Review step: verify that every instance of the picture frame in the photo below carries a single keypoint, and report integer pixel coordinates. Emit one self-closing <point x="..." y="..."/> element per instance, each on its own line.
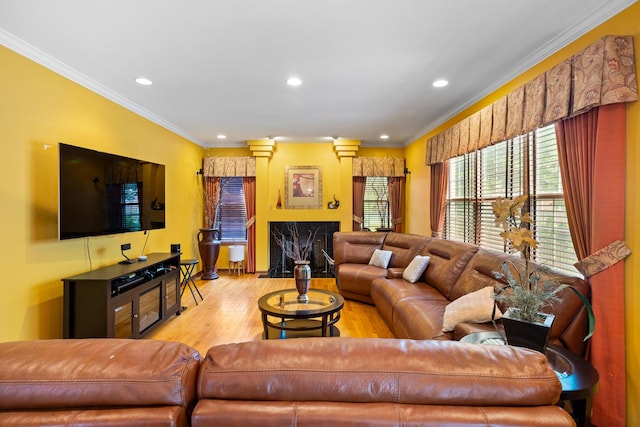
<point x="303" y="187"/>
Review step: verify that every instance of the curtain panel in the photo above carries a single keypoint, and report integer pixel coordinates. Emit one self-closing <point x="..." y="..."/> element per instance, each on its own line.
<point x="601" y="74"/>
<point x="592" y="149"/>
<point x="439" y="182"/>
<point x="396" y="202"/>
<point x="249" y="186"/>
<point x="229" y="166"/>
<point x="359" y="183"/>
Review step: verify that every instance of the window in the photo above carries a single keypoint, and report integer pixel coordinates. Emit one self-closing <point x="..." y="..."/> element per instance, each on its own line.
<point x="376" y="203"/>
<point x="527" y="164"/>
<point x="130" y="206"/>
<point x="233" y="212"/>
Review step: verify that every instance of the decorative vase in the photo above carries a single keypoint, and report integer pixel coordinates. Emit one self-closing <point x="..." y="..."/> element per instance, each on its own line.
<point x="209" y="247"/>
<point x="302" y="275"/>
<point x="521" y="333"/>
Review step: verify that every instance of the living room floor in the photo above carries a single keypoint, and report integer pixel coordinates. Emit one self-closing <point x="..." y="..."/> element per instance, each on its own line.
<point x="229" y="312"/>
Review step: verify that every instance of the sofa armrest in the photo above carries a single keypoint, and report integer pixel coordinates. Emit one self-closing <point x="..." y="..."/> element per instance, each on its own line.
<point x="395" y="273"/>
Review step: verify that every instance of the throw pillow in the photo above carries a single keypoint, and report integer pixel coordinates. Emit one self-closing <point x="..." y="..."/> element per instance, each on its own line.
<point x="475" y="307"/>
<point x="380" y="258"/>
<point x="416" y="267"/>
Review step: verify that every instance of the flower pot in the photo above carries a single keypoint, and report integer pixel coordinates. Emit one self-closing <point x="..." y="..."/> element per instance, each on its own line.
<point x="302" y="276"/>
<point x="209" y="247"/>
<point x="522" y="333"/>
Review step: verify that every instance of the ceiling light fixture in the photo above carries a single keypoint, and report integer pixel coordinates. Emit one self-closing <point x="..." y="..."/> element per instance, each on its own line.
<point x="221" y="136"/>
<point x="144" y="81"/>
<point x="294" y="81"/>
<point x="440" y="83"/>
<point x="384" y="136"/>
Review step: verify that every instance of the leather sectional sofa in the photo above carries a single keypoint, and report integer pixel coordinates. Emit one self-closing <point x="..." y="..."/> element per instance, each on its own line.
<point x="306" y="381"/>
<point x="455" y="269"/>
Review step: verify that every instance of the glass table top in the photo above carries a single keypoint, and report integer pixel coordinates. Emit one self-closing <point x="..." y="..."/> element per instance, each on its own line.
<point x="286" y="302"/>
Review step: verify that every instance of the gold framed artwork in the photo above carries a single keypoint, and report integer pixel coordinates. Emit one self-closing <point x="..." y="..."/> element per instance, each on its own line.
<point x="303" y="187"/>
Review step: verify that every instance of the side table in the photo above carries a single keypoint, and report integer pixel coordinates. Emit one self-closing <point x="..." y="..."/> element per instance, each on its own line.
<point x="578" y="377"/>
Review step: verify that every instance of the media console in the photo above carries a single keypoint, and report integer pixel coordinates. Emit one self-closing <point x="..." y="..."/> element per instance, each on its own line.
<point x="122" y="300"/>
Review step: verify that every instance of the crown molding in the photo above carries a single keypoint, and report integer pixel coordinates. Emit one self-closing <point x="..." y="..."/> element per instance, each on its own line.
<point x="31" y="52"/>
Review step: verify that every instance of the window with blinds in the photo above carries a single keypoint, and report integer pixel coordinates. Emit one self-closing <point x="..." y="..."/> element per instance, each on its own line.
<point x="527" y="164"/>
<point x="376" y="203"/>
<point x="233" y="212"/>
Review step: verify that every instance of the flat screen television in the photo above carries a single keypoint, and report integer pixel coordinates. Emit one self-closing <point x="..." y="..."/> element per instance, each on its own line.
<point x="102" y="193"/>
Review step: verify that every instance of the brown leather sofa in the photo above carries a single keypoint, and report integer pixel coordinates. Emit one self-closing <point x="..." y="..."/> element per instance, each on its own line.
<point x="360" y="381"/>
<point x="97" y="382"/>
<point x="415" y="310"/>
<point x="305" y="381"/>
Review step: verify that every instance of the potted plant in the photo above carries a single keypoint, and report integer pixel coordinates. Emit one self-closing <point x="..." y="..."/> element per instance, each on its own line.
<point x="527" y="291"/>
<point x="298" y="249"/>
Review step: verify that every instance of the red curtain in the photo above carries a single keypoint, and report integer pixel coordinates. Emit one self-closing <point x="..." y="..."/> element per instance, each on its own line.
<point x="359" y="183"/>
<point x="439" y="181"/>
<point x="396" y="201"/>
<point x="249" y="185"/>
<point x="592" y="161"/>
<point x="211" y="195"/>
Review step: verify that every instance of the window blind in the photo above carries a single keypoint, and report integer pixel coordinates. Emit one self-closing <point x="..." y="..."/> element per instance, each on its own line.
<point x="376" y="203"/>
<point x="233" y="213"/>
<point x="527" y="164"/>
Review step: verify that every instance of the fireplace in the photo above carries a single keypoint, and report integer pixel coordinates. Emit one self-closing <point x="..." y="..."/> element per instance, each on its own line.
<point x="281" y="266"/>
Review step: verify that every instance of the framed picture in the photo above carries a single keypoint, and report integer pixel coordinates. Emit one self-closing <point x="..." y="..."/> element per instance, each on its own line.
<point x="303" y="187"/>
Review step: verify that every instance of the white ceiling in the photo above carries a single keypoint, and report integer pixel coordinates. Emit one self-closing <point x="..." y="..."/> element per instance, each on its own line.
<point x="219" y="66"/>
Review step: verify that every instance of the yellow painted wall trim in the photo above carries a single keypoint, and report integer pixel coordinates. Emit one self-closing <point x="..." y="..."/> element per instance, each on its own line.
<point x="262" y="147"/>
<point x="346" y="147"/>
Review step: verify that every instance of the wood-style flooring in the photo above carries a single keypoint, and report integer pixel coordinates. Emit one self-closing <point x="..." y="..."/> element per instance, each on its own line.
<point x="229" y="312"/>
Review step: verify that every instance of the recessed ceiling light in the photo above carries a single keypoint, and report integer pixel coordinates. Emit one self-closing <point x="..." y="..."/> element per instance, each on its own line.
<point x="294" y="81"/>
<point x="221" y="136"/>
<point x="144" y="81"/>
<point x="440" y="83"/>
<point x="384" y="136"/>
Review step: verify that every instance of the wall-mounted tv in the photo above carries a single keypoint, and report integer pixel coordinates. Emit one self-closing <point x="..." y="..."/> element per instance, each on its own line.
<point x="102" y="193"/>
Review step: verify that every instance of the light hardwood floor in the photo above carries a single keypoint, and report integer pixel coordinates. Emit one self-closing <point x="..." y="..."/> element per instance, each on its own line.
<point x="229" y="312"/>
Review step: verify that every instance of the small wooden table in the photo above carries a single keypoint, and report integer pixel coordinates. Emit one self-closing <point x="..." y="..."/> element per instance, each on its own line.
<point x="579" y="378"/>
<point x="315" y="317"/>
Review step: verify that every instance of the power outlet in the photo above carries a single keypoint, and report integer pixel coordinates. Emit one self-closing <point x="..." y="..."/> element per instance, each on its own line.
<point x="125" y="247"/>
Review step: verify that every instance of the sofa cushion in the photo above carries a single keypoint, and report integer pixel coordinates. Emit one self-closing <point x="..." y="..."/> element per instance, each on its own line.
<point x="60" y="374"/>
<point x="476" y="307"/>
<point x="386" y="293"/>
<point x="402" y="371"/>
<point x="355" y="247"/>
<point x="420" y="319"/>
<point x="380" y="258"/>
<point x="355" y="280"/>
<point x="416" y="267"/>
<point x="404" y="247"/>
<point x="448" y="260"/>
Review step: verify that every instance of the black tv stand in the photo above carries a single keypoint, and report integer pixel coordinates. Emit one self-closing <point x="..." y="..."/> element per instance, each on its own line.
<point x="125" y="300"/>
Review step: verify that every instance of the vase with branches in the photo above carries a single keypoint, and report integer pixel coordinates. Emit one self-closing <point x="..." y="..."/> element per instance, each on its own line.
<point x="298" y="248"/>
<point x="528" y="290"/>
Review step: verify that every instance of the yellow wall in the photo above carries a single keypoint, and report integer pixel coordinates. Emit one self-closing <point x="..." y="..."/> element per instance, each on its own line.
<point x="38" y="109"/>
<point x="625" y="23"/>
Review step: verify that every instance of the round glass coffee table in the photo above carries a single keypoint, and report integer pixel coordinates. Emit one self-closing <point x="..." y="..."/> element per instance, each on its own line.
<point x="578" y="377"/>
<point x="316" y="317"/>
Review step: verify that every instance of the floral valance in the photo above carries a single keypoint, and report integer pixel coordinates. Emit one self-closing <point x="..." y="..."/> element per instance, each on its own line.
<point x="378" y="166"/>
<point x="229" y="166"/>
<point x="119" y="174"/>
<point x="602" y="73"/>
